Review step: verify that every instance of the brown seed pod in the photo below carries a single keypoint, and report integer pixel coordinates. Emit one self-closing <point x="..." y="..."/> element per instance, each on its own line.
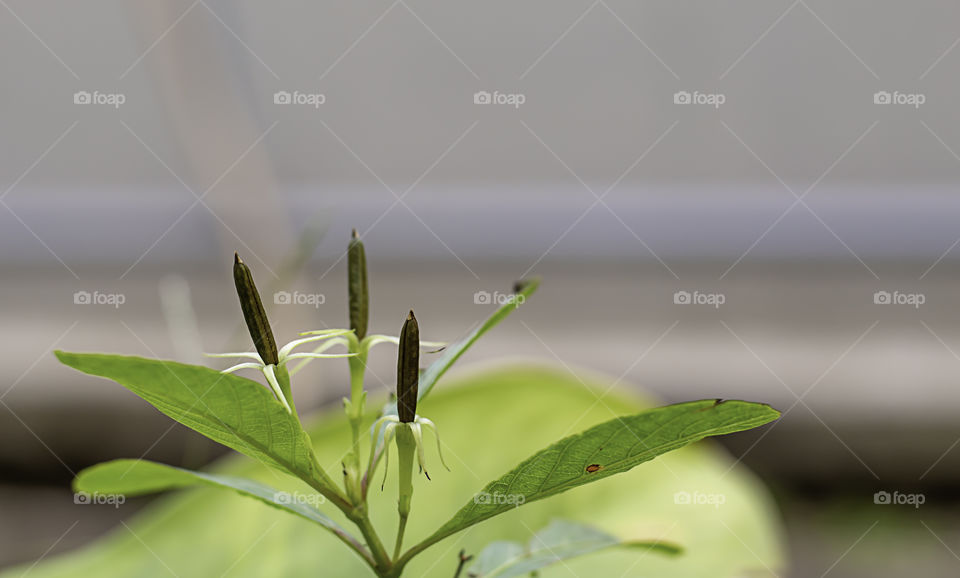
<point x="253" y="313"/>
<point x="408" y="369"/>
<point x="357" y="291"/>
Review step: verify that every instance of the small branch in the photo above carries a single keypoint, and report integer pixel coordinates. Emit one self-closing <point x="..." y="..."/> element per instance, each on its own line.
<point x="400" y="530"/>
<point x="463" y="562"/>
<point x="380" y="556"/>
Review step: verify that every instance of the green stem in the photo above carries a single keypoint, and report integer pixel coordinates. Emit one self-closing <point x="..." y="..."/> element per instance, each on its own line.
<point x="355" y="411"/>
<point x="406" y="447"/>
<point x="400" y="529"/>
<point x="383" y="564"/>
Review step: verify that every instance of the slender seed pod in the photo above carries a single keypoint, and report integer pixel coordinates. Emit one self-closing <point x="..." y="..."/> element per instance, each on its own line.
<point x="408" y="369"/>
<point x="253" y="312"/>
<point x="357" y="286"/>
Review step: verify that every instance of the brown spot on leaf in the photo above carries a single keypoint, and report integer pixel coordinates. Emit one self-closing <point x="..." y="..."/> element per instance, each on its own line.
<point x="594" y="468"/>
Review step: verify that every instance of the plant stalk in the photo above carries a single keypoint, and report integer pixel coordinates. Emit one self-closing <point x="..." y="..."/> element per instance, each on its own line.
<point x="406" y="447"/>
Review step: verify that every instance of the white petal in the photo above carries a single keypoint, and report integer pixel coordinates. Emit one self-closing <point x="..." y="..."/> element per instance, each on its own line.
<point x="242" y="366"/>
<point x="298" y="342"/>
<point x="372" y="340"/>
<point x="436" y="433"/>
<point x="319" y="355"/>
<point x="268" y="372"/>
<point x="327" y="332"/>
<point x="323" y="347"/>
<point x="247" y="354"/>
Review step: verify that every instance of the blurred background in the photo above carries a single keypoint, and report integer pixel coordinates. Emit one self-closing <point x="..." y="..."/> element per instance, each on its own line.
<point x="725" y="199"/>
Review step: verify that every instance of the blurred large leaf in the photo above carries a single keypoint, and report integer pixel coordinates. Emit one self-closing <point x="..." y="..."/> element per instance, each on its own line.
<point x="604" y="450"/>
<point x="234" y="411"/>
<point x="561" y="540"/>
<point x="139" y="477"/>
<point x="490" y="421"/>
<point x="453" y="352"/>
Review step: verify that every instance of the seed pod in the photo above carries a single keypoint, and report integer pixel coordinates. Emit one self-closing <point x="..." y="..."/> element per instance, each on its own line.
<point x="357" y="286"/>
<point x="408" y="369"/>
<point x="253" y="312"/>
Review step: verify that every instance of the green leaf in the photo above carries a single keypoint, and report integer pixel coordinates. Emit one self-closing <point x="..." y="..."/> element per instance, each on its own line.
<point x="203" y="532"/>
<point x="610" y="448"/>
<point x="139" y="477"/>
<point x="561" y="540"/>
<point x="231" y="410"/>
<point x="452" y="353"/>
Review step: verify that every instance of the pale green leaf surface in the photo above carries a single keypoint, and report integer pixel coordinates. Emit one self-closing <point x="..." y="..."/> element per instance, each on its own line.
<point x="139" y="477"/>
<point x="561" y="540"/>
<point x="610" y="448"/>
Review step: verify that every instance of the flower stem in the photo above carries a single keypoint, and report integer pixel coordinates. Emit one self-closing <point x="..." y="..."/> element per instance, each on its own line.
<point x="406" y="446"/>
<point x="355" y="411"/>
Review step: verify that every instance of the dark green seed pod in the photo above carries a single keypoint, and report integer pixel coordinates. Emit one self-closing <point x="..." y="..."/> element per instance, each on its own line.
<point x="253" y="312"/>
<point x="408" y="369"/>
<point x="357" y="286"/>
